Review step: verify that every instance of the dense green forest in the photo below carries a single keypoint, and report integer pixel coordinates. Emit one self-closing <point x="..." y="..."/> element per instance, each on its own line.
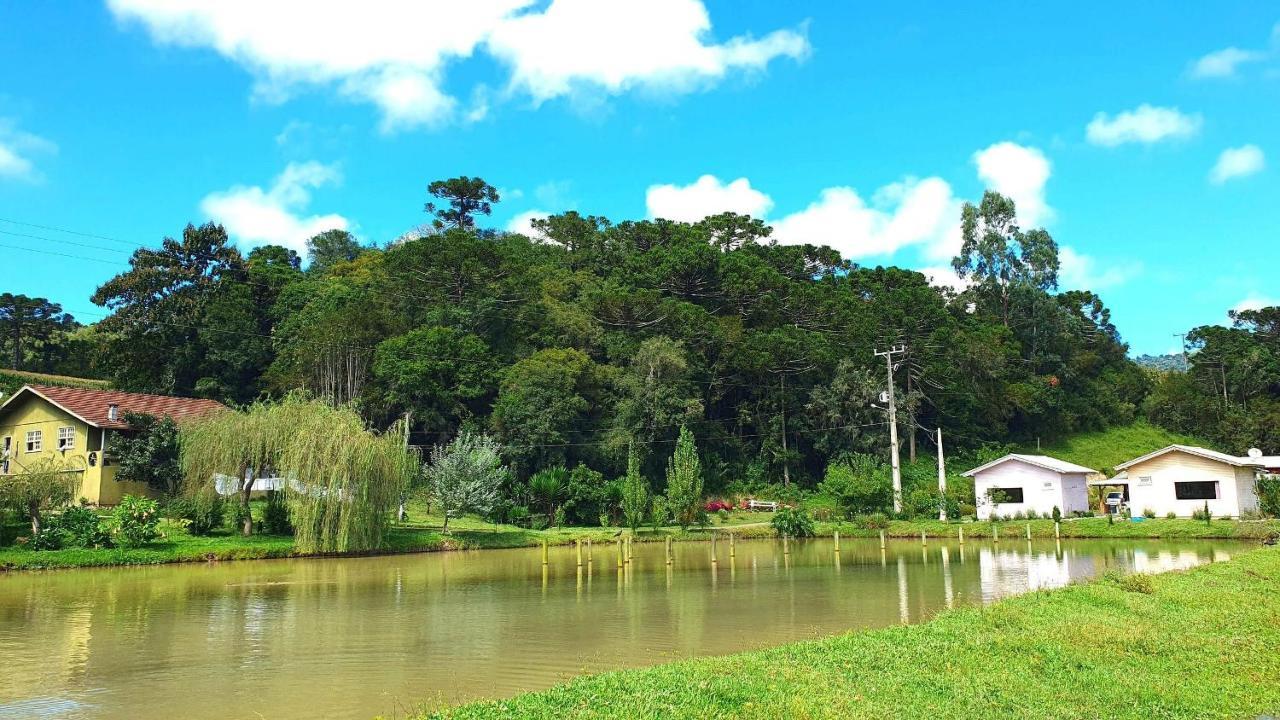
<point x="594" y="336"/>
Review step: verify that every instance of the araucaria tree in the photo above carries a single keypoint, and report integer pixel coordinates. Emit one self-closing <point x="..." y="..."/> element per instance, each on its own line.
<point x="466" y="476"/>
<point x="684" y="480"/>
<point x="635" y="492"/>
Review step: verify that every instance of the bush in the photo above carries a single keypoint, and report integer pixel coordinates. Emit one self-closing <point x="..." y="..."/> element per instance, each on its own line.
<point x="202" y="514"/>
<point x="966" y="510"/>
<point x="860" y="486"/>
<point x="1268" y="490"/>
<point x="1171" y="515"/>
<point x="83" y="528"/>
<point x="275" y="517"/>
<point x="717" y="505"/>
<point x="1057" y="514"/>
<point x="1202" y="514"/>
<point x="1148" y="513"/>
<point x="136" y="520"/>
<point x="792" y="521"/>
<point x="872" y="521"/>
<point x="722" y="515"/>
<point x="1032" y="515"/>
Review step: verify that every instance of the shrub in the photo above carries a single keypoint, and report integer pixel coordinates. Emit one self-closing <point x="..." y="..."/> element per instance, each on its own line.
<point x="202" y="514"/>
<point x="717" y="505"/>
<point x="659" y="512"/>
<point x="872" y="521"/>
<point x="860" y="486"/>
<point x="1148" y="513"/>
<point x="1032" y="515"/>
<point x="792" y="521"/>
<point x="235" y="518"/>
<point x="136" y="520"/>
<point x="1132" y="582"/>
<point x="1171" y="515"/>
<point x="83" y="528"/>
<point x="1057" y="514"/>
<point x="722" y="515"/>
<point x="49" y="538"/>
<point x="1203" y="514"/>
<point x="1268" y="489"/>
<point x="966" y="510"/>
<point x="275" y="517"/>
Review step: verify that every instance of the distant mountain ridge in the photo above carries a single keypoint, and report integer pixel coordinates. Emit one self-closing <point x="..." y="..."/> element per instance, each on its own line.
<point x="1170" y="362"/>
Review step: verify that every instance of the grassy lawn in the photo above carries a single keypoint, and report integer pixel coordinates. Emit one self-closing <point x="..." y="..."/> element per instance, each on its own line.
<point x="1104" y="449"/>
<point x="1194" y="644"/>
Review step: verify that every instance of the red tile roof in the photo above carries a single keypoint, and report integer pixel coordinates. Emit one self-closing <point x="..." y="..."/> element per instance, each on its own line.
<point x="92" y="406"/>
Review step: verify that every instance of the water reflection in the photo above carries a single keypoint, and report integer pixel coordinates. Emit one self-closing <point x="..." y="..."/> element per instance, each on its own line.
<point x="354" y="638"/>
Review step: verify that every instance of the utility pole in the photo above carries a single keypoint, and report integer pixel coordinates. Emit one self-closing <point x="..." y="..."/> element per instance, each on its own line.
<point x="1182" y="337"/>
<point x="942" y="481"/>
<point x="408" y="415"/>
<point x="893" y="424"/>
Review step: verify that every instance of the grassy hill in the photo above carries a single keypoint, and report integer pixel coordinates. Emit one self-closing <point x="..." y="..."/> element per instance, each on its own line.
<point x="1104" y="449"/>
<point x="11" y="380"/>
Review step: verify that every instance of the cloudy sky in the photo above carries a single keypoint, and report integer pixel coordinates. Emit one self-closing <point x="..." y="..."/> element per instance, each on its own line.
<point x="1145" y="140"/>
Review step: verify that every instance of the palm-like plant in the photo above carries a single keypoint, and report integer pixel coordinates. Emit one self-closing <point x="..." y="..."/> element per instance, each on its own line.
<point x="548" y="488"/>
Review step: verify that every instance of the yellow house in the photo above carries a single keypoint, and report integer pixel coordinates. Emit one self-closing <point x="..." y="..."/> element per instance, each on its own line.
<point x="75" y="425"/>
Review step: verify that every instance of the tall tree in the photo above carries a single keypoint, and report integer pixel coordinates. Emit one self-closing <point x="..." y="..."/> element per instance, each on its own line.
<point x="999" y="255"/>
<point x="330" y="248"/>
<point x="466" y="197"/>
<point x="684" y="480"/>
<point x="26" y="321"/>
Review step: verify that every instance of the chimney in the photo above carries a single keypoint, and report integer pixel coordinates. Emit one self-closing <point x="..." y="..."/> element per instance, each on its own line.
<point x="113" y="412"/>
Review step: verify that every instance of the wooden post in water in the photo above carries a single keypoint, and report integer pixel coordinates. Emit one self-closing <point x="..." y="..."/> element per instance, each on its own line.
<point x="786" y="546"/>
<point x="961" y="536"/>
<point x="578" y="545"/>
<point x="995" y="532"/>
<point x="881" y="539"/>
<point x="544" y="552"/>
<point x="668" y="550"/>
<point x="1028" y="531"/>
<point x="619" y="553"/>
<point x="733" y="551"/>
<point x="714" y="558"/>
<point x="629" y="549"/>
<point x="1057" y="530"/>
<point x="923" y="539"/>
<point x="590" y="556"/>
<point x="837" y="538"/>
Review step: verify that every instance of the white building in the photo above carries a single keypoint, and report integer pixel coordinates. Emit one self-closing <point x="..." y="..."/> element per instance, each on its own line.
<point x="1023" y="483"/>
<point x="1180" y="479"/>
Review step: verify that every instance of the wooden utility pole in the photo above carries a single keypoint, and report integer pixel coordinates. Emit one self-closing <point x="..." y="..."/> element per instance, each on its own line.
<point x="942" y="481"/>
<point x="893" y="425"/>
<point x="408" y="415"/>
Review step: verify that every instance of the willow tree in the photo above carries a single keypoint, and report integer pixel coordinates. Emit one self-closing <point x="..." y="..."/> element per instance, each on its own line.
<point x="43" y="485"/>
<point x="341" y="480"/>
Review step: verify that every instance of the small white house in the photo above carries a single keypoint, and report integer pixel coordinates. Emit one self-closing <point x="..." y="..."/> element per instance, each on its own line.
<point x="1023" y="483"/>
<point x="1180" y="479"/>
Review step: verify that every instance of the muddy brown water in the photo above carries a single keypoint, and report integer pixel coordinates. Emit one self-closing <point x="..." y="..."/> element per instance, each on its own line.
<point x="354" y="638"/>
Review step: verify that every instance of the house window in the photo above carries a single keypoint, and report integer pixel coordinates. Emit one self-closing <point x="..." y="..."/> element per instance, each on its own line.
<point x="1006" y="495"/>
<point x="66" y="438"/>
<point x="1202" y="490"/>
<point x="35" y="441"/>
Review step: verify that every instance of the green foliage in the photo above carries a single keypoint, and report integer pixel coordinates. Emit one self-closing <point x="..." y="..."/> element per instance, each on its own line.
<point x="34" y="333"/>
<point x="38" y="486"/>
<point x="1268" y="490"/>
<point x="466" y="476"/>
<point x="150" y="454"/>
<point x="1130" y="582"/>
<point x="1203" y="514"/>
<point x="873" y="521"/>
<point x="78" y="526"/>
<point x="275" y="514"/>
<point x="202" y="512"/>
<point x="795" y="522"/>
<point x="137" y="520"/>
<point x="859" y="484"/>
<point x="684" y="481"/>
<point x="1057" y="514"/>
<point x="635" y="492"/>
<point x="330" y="248"/>
<point x="549" y="487"/>
<point x="466" y="198"/>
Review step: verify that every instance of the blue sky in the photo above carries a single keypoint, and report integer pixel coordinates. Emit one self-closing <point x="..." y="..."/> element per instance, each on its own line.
<point x="1145" y="140"/>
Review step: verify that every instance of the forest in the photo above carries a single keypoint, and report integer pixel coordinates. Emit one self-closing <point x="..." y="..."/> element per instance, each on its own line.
<point x="593" y="337"/>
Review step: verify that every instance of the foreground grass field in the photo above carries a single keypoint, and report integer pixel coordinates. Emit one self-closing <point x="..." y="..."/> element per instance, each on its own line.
<point x="1195" y="644"/>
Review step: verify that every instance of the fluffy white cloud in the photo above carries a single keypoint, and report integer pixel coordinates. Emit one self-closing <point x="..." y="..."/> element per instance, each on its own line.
<point x="706" y="196"/>
<point x="1146" y="124"/>
<point x="395" y="54"/>
<point x="254" y="216"/>
<point x="1077" y="271"/>
<point x="1019" y="173"/>
<point x="905" y="213"/>
<point x="944" y="276"/>
<point x="16" y="151"/>
<point x="1236" y="163"/>
<point x="1254" y="301"/>
<point x="1223" y="63"/>
<point x="523" y="223"/>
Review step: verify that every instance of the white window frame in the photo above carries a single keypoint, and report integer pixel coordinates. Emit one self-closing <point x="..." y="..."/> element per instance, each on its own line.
<point x="67" y="437"/>
<point x="35" y="441"/>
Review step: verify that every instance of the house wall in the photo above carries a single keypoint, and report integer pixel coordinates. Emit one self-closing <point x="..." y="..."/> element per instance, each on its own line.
<point x="1042" y="489"/>
<point x="1235" y="485"/>
<point x="97" y="483"/>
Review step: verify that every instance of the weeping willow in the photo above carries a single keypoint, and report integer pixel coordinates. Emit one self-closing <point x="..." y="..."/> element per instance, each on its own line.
<point x="341" y="480"/>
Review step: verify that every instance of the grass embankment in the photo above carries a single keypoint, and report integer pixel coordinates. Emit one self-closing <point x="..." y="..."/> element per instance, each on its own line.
<point x="1104" y="449"/>
<point x="1194" y="644"/>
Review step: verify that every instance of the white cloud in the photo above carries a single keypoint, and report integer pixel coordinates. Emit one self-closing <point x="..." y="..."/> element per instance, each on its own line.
<point x="944" y="276"/>
<point x="1145" y="124"/>
<point x="396" y="54"/>
<point x="1223" y="63"/>
<point x="706" y="196"/>
<point x="1237" y="162"/>
<point x="901" y="214"/>
<point x="1019" y="173"/>
<point x="1254" y="301"/>
<point x="16" y="151"/>
<point x="1078" y="271"/>
<point x="523" y="223"/>
<point x="273" y="216"/>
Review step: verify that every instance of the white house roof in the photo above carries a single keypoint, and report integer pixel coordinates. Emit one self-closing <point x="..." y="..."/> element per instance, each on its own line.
<point x="1044" y="461"/>
<point x="1265" y="461"/>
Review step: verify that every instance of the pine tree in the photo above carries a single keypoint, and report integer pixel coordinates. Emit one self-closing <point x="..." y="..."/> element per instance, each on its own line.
<point x="635" y="492"/>
<point x="684" y="480"/>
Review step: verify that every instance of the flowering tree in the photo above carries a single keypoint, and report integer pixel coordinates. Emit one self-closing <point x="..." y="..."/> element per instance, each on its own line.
<point x="466" y="475"/>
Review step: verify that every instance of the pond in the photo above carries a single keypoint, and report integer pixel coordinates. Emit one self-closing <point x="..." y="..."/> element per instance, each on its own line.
<point x="353" y="638"/>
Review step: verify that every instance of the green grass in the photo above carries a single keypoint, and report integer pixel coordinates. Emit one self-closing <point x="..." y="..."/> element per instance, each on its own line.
<point x="1195" y="644"/>
<point x="12" y="380"/>
<point x="1104" y="449"/>
<point x="1091" y="527"/>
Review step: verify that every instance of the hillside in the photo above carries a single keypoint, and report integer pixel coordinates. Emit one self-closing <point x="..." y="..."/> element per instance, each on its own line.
<point x="1104" y="449"/>
<point x="11" y="380"/>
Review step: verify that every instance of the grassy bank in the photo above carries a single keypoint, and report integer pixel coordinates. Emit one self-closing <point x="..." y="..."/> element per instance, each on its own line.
<point x="1104" y="449"/>
<point x="424" y="534"/>
<point x="1195" y="644"/>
